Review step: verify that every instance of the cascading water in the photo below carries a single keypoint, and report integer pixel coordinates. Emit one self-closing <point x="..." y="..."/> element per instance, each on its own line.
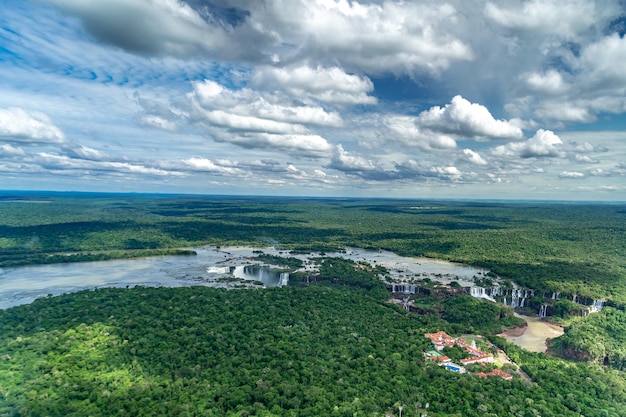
<point x="284" y="279"/>
<point x="543" y="311"/>
<point x="597" y="305"/>
<point x="404" y="288"/>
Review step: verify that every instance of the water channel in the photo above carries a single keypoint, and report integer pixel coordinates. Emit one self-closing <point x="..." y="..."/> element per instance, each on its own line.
<point x="210" y="267"/>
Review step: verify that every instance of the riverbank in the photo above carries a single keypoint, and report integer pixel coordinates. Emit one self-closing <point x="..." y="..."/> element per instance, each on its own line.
<point x="534" y="335"/>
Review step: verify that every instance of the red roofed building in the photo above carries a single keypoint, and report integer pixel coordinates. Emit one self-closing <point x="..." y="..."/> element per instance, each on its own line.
<point x="441" y="339"/>
<point x="484" y="357"/>
<point x="501" y="374"/>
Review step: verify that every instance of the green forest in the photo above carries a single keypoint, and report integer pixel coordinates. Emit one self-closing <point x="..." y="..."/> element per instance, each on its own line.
<point x="334" y="347"/>
<point x="570" y="248"/>
<point x="326" y="349"/>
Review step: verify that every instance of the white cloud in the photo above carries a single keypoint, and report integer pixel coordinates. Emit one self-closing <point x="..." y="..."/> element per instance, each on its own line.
<point x="465" y="119"/>
<point x="8" y="150"/>
<point x="250" y="119"/>
<point x="585" y="159"/>
<point x="206" y="165"/>
<point x="16" y="125"/>
<point x="151" y="27"/>
<point x="239" y="122"/>
<point x="85" y="152"/>
<point x="344" y="161"/>
<point x="565" y="19"/>
<point x="543" y="144"/>
<point x="615" y="171"/>
<point x="590" y="84"/>
<point x="551" y="82"/>
<point x="416" y="170"/>
<point x="332" y="85"/>
<point x="54" y="162"/>
<point x="405" y="130"/>
<point x="151" y="120"/>
<point x="564" y="112"/>
<point x="251" y="108"/>
<point x="601" y="62"/>
<point x="474" y="157"/>
<point x="571" y="175"/>
<point x="309" y="145"/>
<point x="374" y="37"/>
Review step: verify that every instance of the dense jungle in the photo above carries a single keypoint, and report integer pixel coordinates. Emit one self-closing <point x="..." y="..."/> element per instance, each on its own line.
<point x="334" y="346"/>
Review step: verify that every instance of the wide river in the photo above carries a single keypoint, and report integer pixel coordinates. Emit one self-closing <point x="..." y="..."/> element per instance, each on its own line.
<point x="210" y="267"/>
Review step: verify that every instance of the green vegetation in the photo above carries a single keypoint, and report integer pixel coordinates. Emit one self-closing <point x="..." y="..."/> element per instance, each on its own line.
<point x="479" y="316"/>
<point x="316" y="351"/>
<point x="570" y="248"/>
<point x="332" y="348"/>
<point x="289" y="262"/>
<point x="599" y="337"/>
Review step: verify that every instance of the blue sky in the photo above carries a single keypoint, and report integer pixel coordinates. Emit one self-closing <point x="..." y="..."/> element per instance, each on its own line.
<point x="423" y="99"/>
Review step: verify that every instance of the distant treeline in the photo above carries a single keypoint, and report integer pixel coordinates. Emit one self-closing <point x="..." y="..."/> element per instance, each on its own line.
<point x="571" y="248"/>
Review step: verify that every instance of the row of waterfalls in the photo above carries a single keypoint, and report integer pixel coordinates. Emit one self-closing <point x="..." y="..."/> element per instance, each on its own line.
<point x="516" y="297"/>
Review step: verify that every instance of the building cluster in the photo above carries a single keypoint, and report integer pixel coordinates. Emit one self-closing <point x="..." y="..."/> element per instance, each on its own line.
<point x="442" y="340"/>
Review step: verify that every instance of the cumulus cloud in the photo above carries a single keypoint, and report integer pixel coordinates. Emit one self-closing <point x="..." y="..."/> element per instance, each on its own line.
<point x="251" y="108"/>
<point x="543" y="144"/>
<point x="346" y="162"/>
<point x="585" y="159"/>
<point x="599" y="62"/>
<point x="207" y="165"/>
<point x="465" y="119"/>
<point x="152" y="27"/>
<point x="374" y="37"/>
<point x="405" y="129"/>
<point x="545" y="16"/>
<point x="616" y="171"/>
<point x="473" y="157"/>
<point x="415" y="170"/>
<point x="368" y="169"/>
<point x="252" y="120"/>
<point x="590" y="84"/>
<point x="332" y="85"/>
<point x="17" y="125"/>
<point x="550" y="82"/>
<point x="441" y="127"/>
<point x="565" y="112"/>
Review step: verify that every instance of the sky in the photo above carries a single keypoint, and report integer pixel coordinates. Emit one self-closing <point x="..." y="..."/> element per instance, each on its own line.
<point x="468" y="99"/>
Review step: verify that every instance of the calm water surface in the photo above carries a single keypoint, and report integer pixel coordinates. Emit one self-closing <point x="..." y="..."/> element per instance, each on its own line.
<point x="23" y="285"/>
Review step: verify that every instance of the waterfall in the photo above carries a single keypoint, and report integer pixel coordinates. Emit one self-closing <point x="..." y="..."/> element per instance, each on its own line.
<point x="543" y="310"/>
<point x="284" y="279"/>
<point x="597" y="305"/>
<point x="477" y="291"/>
<point x="403" y="288"/>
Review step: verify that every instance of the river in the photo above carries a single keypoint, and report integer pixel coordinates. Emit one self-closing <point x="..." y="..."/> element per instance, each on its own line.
<point x="210" y="267"/>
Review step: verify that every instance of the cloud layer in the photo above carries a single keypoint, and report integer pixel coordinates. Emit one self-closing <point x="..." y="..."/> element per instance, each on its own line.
<point x="518" y="99"/>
